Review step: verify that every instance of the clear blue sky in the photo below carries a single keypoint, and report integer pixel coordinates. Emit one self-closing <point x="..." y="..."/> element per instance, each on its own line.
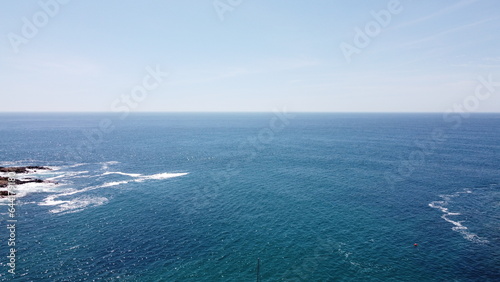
<point x="264" y="54"/>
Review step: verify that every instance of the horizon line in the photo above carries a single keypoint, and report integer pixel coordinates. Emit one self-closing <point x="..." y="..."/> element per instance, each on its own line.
<point x="234" y="112"/>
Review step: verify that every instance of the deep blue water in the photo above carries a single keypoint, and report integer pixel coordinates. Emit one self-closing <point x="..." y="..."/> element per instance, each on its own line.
<point x="201" y="197"/>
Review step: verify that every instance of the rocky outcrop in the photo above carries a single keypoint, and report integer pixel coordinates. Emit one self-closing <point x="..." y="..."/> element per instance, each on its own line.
<point x="4" y="180"/>
<point x="23" y="169"/>
<point x="5" y="193"/>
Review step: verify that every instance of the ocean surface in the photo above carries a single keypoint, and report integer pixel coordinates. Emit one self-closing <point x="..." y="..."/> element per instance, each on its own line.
<point x="254" y="197"/>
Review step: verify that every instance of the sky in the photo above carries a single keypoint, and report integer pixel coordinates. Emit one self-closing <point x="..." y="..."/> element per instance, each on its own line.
<point x="250" y="56"/>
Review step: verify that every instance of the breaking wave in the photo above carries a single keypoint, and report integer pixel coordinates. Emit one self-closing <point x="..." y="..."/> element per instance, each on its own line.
<point x="65" y="185"/>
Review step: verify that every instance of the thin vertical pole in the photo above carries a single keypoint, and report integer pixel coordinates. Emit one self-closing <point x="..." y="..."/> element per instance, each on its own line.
<point x="258" y="270"/>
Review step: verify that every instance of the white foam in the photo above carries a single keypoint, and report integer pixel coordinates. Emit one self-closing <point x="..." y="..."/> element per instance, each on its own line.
<point x="457" y="225"/>
<point x="67" y="205"/>
<point x="32" y="172"/>
<point x="64" y="199"/>
<point x="70" y="174"/>
<point x="115" y="183"/>
<point x="140" y="177"/>
<point x="78" y="204"/>
<point x="55" y="177"/>
<point x="74" y="247"/>
<point x="77" y="165"/>
<point x="53" y="167"/>
<point x="50" y="200"/>
<point x="160" y="176"/>
<point x="36" y="187"/>
<point x="8" y="163"/>
<point x="122" y="173"/>
<point x="24" y="189"/>
<point x="105" y="165"/>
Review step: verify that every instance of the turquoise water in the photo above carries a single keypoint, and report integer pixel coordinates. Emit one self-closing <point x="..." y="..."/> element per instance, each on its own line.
<point x="201" y="197"/>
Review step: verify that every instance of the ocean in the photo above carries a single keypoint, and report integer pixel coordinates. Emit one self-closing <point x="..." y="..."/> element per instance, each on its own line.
<point x="253" y="197"/>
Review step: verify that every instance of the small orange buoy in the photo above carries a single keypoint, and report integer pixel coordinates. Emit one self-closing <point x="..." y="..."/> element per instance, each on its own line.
<point x="415" y="244"/>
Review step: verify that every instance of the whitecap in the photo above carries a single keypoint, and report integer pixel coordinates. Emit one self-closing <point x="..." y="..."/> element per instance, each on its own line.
<point x="160" y="176"/>
<point x="122" y="173"/>
<point x="115" y="183"/>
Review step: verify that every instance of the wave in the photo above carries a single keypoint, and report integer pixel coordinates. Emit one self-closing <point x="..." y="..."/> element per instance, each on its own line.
<point x="160" y="176"/>
<point x="78" y="204"/>
<point x="114" y="183"/>
<point x="75" y="205"/>
<point x="457" y="225"/>
<point x="71" y="174"/>
<point x="121" y="173"/>
<point x="64" y="198"/>
<point x="140" y="178"/>
<point x="33" y="187"/>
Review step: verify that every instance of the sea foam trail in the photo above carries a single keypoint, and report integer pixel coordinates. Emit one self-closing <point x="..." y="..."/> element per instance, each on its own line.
<point x="164" y="175"/>
<point x="139" y="177"/>
<point x="457" y="225"/>
<point x="70" y="174"/>
<point x="77" y="165"/>
<point x="80" y="203"/>
<point x="121" y="173"/>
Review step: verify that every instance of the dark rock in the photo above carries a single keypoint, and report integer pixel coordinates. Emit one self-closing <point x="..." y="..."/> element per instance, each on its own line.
<point x="5" y="193"/>
<point x="22" y="169"/>
<point x="4" y="181"/>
